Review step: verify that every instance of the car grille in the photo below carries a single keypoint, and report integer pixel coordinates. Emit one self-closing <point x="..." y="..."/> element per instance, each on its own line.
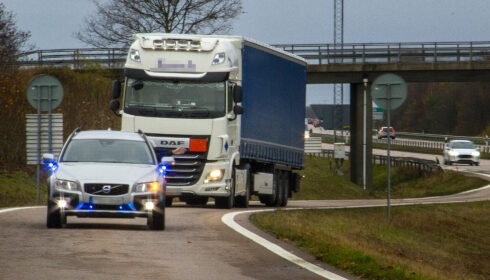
<point x="465" y="156"/>
<point x="187" y="169"/>
<point x="103" y="189"/>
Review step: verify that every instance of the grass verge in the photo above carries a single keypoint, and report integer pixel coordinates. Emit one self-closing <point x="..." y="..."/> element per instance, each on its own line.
<point x="419" y="242"/>
<point x="18" y="188"/>
<point x="322" y="181"/>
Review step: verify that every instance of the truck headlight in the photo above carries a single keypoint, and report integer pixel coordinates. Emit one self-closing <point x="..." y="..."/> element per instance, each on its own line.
<point x="475" y="153"/>
<point x="135" y="55"/>
<point x="219" y="58"/>
<point x="148" y="187"/>
<point x="66" y="185"/>
<point x="215" y="175"/>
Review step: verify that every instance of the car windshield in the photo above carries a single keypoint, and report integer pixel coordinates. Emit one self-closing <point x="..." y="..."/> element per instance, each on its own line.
<point x="463" y="145"/>
<point x="107" y="150"/>
<point x="175" y="99"/>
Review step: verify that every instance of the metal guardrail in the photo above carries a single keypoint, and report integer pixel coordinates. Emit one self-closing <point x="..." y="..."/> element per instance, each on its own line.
<point x="361" y="53"/>
<point x="422" y="165"/>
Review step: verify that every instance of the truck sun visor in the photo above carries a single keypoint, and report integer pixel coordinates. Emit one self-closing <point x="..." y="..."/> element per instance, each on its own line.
<point x="209" y="77"/>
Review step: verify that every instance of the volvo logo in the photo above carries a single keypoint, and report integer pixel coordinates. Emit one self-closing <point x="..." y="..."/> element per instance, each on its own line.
<point x="106" y="188"/>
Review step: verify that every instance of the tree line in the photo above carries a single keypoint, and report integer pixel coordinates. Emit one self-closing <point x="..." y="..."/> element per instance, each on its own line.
<point x="445" y="108"/>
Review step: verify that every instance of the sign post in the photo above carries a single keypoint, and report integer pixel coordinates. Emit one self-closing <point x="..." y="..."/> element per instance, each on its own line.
<point x="389" y="91"/>
<point x="44" y="93"/>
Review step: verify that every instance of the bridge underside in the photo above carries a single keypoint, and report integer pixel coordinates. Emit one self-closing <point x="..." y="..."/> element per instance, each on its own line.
<point x="411" y="72"/>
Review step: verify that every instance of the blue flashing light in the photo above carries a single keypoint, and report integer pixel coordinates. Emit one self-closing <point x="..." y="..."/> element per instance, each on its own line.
<point x="52" y="166"/>
<point x="85" y="206"/>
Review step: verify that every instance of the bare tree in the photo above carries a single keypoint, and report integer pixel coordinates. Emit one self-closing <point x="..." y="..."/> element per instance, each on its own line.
<point x="12" y="40"/>
<point x="117" y="20"/>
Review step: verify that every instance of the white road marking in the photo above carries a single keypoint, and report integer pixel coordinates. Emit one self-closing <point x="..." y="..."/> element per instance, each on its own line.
<point x="228" y="219"/>
<point x="19" y="208"/>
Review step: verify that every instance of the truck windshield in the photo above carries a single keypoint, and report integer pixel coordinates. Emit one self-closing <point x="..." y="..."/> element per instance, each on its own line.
<point x="175" y="99"/>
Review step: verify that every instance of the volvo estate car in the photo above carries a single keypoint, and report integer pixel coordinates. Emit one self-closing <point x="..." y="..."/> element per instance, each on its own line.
<point x="106" y="174"/>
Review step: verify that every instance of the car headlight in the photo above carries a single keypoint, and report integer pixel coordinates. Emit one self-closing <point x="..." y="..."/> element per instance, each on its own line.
<point x="475" y="153"/>
<point x="453" y="153"/>
<point x="215" y="175"/>
<point x="148" y="187"/>
<point x="66" y="185"/>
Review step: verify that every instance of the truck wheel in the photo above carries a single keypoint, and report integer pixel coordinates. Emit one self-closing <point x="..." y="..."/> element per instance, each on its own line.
<point x="243" y="201"/>
<point x="276" y="197"/>
<point x="54" y="218"/>
<point x="156" y="221"/>
<point x="285" y="188"/>
<point x="227" y="202"/>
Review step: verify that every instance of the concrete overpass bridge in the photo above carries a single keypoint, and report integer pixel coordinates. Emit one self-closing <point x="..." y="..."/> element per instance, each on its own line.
<point x="329" y="63"/>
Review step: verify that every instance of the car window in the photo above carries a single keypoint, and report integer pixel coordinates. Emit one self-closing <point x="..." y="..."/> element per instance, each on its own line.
<point x="107" y="150"/>
<point x="463" y="145"/>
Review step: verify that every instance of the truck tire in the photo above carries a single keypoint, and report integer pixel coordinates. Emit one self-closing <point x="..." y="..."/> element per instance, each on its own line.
<point x="243" y="200"/>
<point x="156" y="221"/>
<point x="227" y="202"/>
<point x="285" y="188"/>
<point x="274" y="200"/>
<point x="54" y="219"/>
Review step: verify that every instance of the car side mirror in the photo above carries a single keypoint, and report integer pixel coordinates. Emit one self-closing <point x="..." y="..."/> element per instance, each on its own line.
<point x="48" y="157"/>
<point x="237" y="94"/>
<point x="116" y="89"/>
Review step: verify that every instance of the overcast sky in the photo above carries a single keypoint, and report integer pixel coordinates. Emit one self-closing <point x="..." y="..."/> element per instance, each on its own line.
<point x="53" y="22"/>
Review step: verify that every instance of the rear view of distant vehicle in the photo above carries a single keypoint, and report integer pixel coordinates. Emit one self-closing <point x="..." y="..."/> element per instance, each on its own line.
<point x="461" y="151"/>
<point x="109" y="174"/>
<point x="386" y="132"/>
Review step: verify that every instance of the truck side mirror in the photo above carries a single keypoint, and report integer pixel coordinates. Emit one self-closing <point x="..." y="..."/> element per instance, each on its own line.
<point x="114" y="106"/>
<point x="238" y="110"/>
<point x="116" y="89"/>
<point x="237" y="94"/>
<point x="137" y="85"/>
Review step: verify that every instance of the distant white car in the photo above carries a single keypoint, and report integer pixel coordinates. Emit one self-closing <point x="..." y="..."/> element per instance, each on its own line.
<point x="461" y="151"/>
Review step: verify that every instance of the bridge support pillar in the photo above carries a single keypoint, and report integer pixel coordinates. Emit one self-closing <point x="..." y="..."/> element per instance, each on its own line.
<point x="356" y="131"/>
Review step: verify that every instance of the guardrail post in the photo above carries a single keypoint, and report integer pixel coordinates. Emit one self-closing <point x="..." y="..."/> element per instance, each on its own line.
<point x="435" y="52"/>
<point x="457" y="53"/>
<point x="399" y="51"/>
<point x="319" y="55"/>
<point x="363" y="53"/>
<point x="389" y="54"/>
<point x="471" y="52"/>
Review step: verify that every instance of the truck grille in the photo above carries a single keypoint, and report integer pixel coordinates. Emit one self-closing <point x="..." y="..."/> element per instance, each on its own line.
<point x="187" y="169"/>
<point x="106" y="189"/>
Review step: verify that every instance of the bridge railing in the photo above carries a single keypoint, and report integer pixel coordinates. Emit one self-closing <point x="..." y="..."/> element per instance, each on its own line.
<point x="391" y="52"/>
<point x="362" y="53"/>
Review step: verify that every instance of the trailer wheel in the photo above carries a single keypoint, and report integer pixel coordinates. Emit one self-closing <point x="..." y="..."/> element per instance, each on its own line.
<point x="285" y="188"/>
<point x="53" y="219"/>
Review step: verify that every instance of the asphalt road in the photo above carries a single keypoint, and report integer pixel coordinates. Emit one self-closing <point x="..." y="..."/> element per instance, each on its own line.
<point x="195" y="245"/>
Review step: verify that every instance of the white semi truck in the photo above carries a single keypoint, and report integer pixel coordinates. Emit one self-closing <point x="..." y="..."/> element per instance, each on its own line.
<point x="228" y="109"/>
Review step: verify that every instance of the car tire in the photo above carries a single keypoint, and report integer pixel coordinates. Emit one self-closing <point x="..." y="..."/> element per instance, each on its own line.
<point x="54" y="218"/>
<point x="168" y="201"/>
<point x="156" y="220"/>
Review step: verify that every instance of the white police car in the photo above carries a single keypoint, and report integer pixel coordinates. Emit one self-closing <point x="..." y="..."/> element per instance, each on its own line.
<point x="104" y="173"/>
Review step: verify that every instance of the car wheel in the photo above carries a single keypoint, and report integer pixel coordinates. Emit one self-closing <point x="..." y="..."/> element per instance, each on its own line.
<point x="54" y="219"/>
<point x="168" y="201"/>
<point x="156" y="220"/>
<point x="477" y="163"/>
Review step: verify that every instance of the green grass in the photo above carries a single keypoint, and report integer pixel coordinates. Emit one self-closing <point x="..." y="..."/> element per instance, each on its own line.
<point x="18" y="188"/>
<point x="419" y="242"/>
<point x="322" y="181"/>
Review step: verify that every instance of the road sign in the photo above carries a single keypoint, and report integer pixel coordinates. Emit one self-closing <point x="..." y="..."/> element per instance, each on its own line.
<point x="389" y="86"/>
<point x="378" y="114"/>
<point x="44" y="92"/>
